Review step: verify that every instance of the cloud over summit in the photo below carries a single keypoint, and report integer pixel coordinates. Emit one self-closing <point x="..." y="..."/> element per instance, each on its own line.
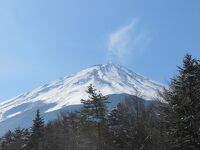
<point x="127" y="41"/>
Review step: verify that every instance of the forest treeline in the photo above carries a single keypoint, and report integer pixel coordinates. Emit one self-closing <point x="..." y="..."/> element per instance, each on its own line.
<point x="170" y="123"/>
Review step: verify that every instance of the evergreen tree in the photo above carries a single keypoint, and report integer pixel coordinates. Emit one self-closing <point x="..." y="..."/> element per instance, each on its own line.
<point x="16" y="140"/>
<point x="181" y="116"/>
<point x="94" y="111"/>
<point x="6" y="140"/>
<point x="37" y="131"/>
<point x="21" y="138"/>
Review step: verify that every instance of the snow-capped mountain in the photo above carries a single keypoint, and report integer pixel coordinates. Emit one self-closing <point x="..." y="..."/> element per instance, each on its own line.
<point x="66" y="93"/>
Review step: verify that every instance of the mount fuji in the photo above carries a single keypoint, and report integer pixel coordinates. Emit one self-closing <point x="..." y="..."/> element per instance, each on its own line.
<point x="65" y="94"/>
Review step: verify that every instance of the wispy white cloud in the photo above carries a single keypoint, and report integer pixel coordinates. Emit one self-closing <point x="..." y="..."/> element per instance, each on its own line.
<point x="127" y="41"/>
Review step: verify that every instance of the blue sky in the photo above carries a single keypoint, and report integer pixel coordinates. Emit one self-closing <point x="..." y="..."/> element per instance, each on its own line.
<point x="42" y="40"/>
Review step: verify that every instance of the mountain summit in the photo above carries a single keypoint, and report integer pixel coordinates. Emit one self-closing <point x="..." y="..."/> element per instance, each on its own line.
<point x="67" y="92"/>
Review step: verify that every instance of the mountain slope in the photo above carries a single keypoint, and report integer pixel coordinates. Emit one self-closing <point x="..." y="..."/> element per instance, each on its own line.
<point x="67" y="92"/>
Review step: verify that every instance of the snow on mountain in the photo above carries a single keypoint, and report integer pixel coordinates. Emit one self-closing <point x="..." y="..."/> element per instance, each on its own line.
<point x="110" y="79"/>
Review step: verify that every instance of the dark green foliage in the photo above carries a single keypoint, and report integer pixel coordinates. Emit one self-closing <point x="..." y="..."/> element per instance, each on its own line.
<point x="6" y="140"/>
<point x="16" y="140"/>
<point x="94" y="108"/>
<point x="37" y="132"/>
<point x="182" y="116"/>
<point x="94" y="111"/>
